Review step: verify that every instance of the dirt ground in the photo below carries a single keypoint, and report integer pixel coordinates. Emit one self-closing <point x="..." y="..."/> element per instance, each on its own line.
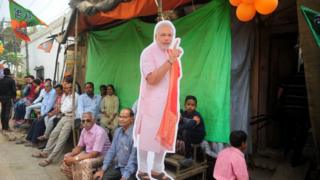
<point x="16" y="163"/>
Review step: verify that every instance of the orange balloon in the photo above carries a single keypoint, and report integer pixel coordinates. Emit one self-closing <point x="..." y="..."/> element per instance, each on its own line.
<point x="245" y="12"/>
<point x="248" y="1"/>
<point x="265" y="6"/>
<point x="235" y="2"/>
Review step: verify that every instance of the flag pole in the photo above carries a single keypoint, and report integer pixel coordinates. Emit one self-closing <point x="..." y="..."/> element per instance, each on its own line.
<point x="58" y="52"/>
<point x="74" y="78"/>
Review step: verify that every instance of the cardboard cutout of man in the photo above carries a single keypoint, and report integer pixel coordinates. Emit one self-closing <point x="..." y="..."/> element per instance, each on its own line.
<point x="158" y="106"/>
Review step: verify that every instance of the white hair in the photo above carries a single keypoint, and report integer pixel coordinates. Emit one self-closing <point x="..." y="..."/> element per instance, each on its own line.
<point x="162" y="24"/>
<point x="89" y="113"/>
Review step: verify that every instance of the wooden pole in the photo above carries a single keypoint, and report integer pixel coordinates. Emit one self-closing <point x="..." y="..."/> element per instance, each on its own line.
<point x="58" y="52"/>
<point x="63" y="67"/>
<point x="74" y="79"/>
<point x="160" y="14"/>
<point x="27" y="59"/>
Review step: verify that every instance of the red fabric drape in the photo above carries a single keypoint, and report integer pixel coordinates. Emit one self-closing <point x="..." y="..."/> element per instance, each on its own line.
<point x="167" y="132"/>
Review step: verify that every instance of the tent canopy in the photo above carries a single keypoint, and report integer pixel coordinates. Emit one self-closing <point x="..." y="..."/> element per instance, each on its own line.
<point x="114" y="55"/>
<point x="123" y="11"/>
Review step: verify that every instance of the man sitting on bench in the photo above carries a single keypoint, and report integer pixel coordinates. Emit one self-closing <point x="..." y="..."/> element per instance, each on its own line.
<point x="120" y="162"/>
<point x="61" y="132"/>
<point x="88" y="155"/>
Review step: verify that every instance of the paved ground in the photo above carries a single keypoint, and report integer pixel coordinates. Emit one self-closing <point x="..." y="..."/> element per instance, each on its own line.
<point x="16" y="163"/>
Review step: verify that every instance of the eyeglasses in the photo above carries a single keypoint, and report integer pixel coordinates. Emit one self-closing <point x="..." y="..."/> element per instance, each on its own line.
<point x="86" y="121"/>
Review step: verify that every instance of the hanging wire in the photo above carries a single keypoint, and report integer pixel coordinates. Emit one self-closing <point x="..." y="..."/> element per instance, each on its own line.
<point x="193" y="6"/>
<point x="160" y="10"/>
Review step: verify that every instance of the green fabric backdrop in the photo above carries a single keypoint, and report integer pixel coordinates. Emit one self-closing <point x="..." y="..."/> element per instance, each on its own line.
<point x="113" y="57"/>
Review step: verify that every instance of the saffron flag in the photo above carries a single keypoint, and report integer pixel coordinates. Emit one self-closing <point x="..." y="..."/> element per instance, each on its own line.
<point x="21" y="18"/>
<point x="1" y="48"/>
<point x="46" y="46"/>
<point x="313" y="20"/>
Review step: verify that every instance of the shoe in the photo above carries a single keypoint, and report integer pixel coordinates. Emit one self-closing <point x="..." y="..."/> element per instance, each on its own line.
<point x="143" y="176"/>
<point x="11" y="137"/>
<point x="16" y="126"/>
<point x="42" y="146"/>
<point x="186" y="162"/>
<point x="161" y="176"/>
<point x="19" y="141"/>
<point x="44" y="163"/>
<point x="42" y="138"/>
<point x="25" y="126"/>
<point x="40" y="155"/>
<point x="30" y="144"/>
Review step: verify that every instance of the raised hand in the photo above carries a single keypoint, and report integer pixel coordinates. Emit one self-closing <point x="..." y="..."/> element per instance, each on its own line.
<point x="175" y="52"/>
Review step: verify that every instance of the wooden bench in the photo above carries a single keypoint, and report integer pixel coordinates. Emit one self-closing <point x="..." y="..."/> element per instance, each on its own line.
<point x="177" y="171"/>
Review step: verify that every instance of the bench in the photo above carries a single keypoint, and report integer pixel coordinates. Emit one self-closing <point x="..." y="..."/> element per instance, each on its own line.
<point x="177" y="171"/>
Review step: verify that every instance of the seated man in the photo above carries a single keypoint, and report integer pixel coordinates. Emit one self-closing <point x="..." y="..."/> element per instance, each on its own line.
<point x="120" y="161"/>
<point x="88" y="101"/>
<point x="20" y="106"/>
<point x="38" y="126"/>
<point x="54" y="114"/>
<point x="80" y="164"/>
<point x="61" y="132"/>
<point x="36" y="104"/>
<point x="230" y="163"/>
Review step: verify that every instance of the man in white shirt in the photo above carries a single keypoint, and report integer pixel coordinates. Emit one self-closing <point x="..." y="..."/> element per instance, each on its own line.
<point x="36" y="104"/>
<point x="38" y="125"/>
<point x="61" y="132"/>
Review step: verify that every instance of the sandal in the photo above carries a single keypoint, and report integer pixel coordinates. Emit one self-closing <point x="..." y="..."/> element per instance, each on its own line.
<point x="12" y="138"/>
<point x="143" y="176"/>
<point x="40" y="155"/>
<point x="161" y="176"/>
<point x="19" y="141"/>
<point x="44" y="163"/>
<point x="42" y="138"/>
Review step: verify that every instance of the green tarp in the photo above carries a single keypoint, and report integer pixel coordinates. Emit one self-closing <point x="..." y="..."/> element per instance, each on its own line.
<point x="113" y="57"/>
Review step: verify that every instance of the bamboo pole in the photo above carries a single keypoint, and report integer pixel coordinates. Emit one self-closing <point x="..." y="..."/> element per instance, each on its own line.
<point x="58" y="52"/>
<point x="160" y="13"/>
<point x="63" y="67"/>
<point x="74" y="79"/>
<point x="27" y="59"/>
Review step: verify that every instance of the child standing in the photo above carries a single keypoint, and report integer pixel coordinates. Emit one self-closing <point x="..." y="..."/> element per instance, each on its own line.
<point x="230" y="162"/>
<point x="191" y="128"/>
